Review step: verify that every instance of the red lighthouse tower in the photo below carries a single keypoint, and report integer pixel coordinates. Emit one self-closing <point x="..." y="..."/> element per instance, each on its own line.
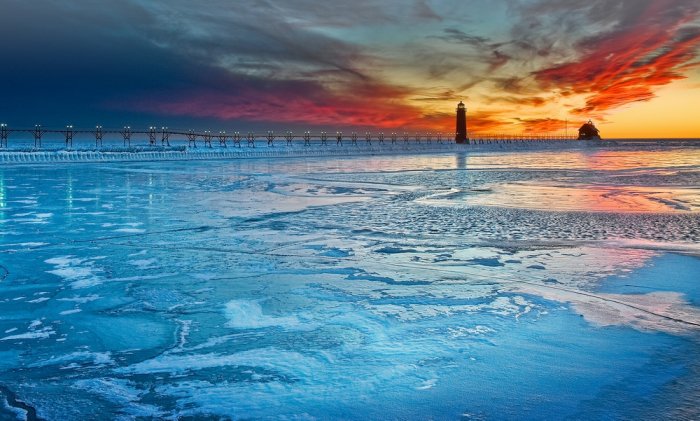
<point x="461" y="132"/>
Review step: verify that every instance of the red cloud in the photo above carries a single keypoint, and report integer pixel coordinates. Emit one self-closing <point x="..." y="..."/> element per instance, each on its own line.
<point x="366" y="106"/>
<point x="362" y="104"/>
<point x="626" y="65"/>
<point x="485" y="122"/>
<point x="376" y="108"/>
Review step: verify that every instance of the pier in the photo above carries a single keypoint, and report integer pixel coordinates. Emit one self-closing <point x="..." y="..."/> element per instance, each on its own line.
<point x="160" y="137"/>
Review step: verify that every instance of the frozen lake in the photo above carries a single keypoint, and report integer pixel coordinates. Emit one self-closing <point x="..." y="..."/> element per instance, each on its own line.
<point x="511" y="285"/>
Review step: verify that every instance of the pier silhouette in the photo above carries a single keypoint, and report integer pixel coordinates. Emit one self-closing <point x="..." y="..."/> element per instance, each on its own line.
<point x="162" y="136"/>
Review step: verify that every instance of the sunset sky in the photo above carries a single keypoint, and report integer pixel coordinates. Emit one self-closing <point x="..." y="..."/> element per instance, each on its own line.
<point x="633" y="66"/>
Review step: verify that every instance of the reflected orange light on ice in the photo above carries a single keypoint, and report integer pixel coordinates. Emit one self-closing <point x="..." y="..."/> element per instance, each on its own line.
<point x="592" y="198"/>
<point x="622" y="191"/>
<point x="624" y="160"/>
<point x="593" y="160"/>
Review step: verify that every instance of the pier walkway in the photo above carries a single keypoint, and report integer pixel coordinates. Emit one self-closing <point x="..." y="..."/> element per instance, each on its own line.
<point x="36" y="145"/>
<point x="163" y="136"/>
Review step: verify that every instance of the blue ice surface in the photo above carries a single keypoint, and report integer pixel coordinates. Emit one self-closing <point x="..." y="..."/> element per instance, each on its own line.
<point x="668" y="272"/>
<point x="251" y="290"/>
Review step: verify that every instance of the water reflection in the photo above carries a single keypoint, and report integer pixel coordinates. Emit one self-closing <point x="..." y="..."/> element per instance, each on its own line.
<point x="3" y="196"/>
<point x="461" y="161"/>
<point x="594" y="159"/>
<point x="657" y="181"/>
<point x="623" y="160"/>
<point x="590" y="198"/>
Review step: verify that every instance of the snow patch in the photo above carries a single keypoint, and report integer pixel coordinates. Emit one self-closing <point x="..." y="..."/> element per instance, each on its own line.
<point x="248" y="314"/>
<point x="80" y="272"/>
<point x="67" y="312"/>
<point x="37" y="334"/>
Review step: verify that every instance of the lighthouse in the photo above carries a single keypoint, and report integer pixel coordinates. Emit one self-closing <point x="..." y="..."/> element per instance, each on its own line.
<point x="461" y="132"/>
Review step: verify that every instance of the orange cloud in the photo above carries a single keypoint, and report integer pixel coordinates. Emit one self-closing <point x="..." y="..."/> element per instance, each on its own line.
<point x="628" y="64"/>
<point x="545" y="125"/>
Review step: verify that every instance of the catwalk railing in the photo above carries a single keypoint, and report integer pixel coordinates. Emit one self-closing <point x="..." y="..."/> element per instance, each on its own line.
<point x="163" y="136"/>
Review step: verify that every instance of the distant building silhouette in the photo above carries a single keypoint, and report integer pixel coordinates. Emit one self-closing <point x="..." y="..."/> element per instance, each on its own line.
<point x="588" y="132"/>
<point x="461" y="132"/>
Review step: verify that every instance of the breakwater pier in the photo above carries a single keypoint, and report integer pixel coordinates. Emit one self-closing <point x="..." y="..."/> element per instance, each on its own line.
<point x="70" y="144"/>
<point x="163" y="136"/>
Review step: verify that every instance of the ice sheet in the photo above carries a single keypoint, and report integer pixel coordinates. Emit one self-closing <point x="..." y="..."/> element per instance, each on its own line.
<point x="415" y="286"/>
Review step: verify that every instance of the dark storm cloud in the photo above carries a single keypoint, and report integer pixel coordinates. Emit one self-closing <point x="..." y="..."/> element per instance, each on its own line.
<point x="87" y="60"/>
<point x="247" y="34"/>
<point x="83" y="61"/>
<point x="461" y="37"/>
<point x="63" y="60"/>
<point x="485" y="49"/>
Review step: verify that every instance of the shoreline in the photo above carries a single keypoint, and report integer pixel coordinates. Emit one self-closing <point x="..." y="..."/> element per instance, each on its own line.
<point x="185" y="153"/>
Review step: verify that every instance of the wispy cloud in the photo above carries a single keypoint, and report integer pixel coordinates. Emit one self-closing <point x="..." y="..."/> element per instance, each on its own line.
<point x="630" y="61"/>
